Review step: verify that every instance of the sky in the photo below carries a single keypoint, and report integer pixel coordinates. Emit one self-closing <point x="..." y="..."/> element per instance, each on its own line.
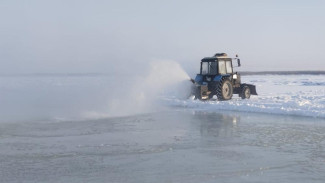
<point x="123" y="36"/>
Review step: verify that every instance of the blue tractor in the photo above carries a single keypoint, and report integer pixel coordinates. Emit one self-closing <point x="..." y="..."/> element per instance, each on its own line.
<point x="218" y="78"/>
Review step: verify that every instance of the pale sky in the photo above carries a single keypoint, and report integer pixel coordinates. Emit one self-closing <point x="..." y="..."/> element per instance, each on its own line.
<point x="82" y="36"/>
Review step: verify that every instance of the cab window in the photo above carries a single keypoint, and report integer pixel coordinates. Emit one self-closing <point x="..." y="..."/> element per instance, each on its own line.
<point x="208" y="68"/>
<point x="205" y="68"/>
<point x="222" y="67"/>
<point x="228" y="66"/>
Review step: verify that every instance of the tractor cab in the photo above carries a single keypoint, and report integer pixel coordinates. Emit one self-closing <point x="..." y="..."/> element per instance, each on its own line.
<point x="217" y="77"/>
<point x="216" y="66"/>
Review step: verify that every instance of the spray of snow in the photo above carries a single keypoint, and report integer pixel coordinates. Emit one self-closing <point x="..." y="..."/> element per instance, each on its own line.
<point x="164" y="77"/>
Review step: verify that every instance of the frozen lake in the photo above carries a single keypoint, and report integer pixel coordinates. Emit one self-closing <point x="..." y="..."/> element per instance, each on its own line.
<point x="171" y="146"/>
<point x="63" y="129"/>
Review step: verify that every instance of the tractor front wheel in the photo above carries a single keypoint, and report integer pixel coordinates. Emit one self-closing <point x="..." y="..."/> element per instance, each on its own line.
<point x="246" y="93"/>
<point x="224" y="90"/>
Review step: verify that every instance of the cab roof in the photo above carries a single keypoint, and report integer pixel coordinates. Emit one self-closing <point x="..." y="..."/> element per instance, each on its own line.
<point x="215" y="57"/>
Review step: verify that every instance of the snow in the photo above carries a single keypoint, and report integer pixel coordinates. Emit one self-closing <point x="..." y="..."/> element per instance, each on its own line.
<point x="301" y="95"/>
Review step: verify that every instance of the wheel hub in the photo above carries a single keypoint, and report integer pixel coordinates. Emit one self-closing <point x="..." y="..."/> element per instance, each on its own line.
<point x="226" y="90"/>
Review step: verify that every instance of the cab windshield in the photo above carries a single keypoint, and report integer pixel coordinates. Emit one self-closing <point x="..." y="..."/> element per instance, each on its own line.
<point x="209" y="68"/>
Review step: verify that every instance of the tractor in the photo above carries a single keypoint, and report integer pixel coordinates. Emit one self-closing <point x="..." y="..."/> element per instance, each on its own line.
<point x="218" y="78"/>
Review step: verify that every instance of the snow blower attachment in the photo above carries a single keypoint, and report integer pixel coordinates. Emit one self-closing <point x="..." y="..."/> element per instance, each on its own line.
<point x="217" y="78"/>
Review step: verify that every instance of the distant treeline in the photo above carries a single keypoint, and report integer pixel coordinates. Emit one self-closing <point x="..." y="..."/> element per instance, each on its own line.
<point x="283" y="73"/>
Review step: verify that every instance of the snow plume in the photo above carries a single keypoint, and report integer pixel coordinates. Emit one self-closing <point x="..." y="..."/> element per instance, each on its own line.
<point x="163" y="77"/>
<point x="90" y="96"/>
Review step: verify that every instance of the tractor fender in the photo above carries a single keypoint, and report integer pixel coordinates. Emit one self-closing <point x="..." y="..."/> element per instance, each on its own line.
<point x="250" y="86"/>
<point x="217" y="78"/>
<point x="220" y="77"/>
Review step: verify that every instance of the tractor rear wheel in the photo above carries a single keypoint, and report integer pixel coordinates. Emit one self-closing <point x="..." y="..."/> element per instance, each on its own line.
<point x="246" y="93"/>
<point x="224" y="90"/>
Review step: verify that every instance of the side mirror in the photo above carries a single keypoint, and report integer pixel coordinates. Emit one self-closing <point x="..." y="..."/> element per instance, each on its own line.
<point x="238" y="62"/>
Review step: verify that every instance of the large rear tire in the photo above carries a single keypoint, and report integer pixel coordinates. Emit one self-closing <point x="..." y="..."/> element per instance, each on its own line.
<point x="224" y="90"/>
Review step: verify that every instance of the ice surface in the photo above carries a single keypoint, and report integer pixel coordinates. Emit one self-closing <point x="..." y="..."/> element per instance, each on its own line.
<point x="170" y="146"/>
<point x="185" y="141"/>
<point x="302" y="95"/>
